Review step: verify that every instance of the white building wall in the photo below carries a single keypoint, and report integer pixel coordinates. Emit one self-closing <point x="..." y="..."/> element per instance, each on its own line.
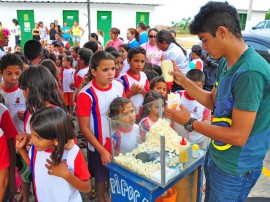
<point x="123" y="16"/>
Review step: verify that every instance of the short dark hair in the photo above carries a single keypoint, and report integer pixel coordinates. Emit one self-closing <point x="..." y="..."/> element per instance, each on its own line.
<point x="109" y="49"/>
<point x="85" y="55"/>
<point x="52" y="56"/>
<point x="10" y="59"/>
<point x="142" y="26"/>
<point x="32" y="49"/>
<point x="125" y="46"/>
<point x="76" y="48"/>
<point x="116" y="54"/>
<point x="136" y="50"/>
<point x="94" y="35"/>
<point x="196" y="75"/>
<point x="92" y="45"/>
<point x="22" y="56"/>
<point x="156" y="80"/>
<point x="215" y="14"/>
<point x="69" y="59"/>
<point x="151" y="74"/>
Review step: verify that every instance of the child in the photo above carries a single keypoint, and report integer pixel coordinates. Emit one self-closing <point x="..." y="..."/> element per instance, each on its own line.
<point x="158" y="84"/>
<point x="127" y="135"/>
<point x="11" y="67"/>
<point x="8" y="132"/>
<point x="67" y="81"/>
<point x="58" y="174"/>
<point x="51" y="66"/>
<point x="150" y="111"/>
<point x="135" y="81"/>
<point x="124" y="48"/>
<point x="197" y="110"/>
<point x="74" y="53"/>
<point x="92" y="108"/>
<point x="59" y="59"/>
<point x="196" y="63"/>
<point x="119" y="61"/>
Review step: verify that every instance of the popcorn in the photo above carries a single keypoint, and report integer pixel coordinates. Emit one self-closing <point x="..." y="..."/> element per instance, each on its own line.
<point x="173" y="100"/>
<point x="152" y="144"/>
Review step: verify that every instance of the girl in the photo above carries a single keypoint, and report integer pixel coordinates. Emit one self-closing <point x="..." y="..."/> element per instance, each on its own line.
<point x="43" y="34"/>
<point x="153" y="54"/>
<point x="115" y="41"/>
<point x="17" y="32"/>
<point x="51" y="66"/>
<point x="92" y="108"/>
<point x="119" y="63"/>
<point x="76" y="33"/>
<point x="94" y="37"/>
<point x="36" y="32"/>
<point x="135" y="81"/>
<point x="52" y="32"/>
<point x="133" y="37"/>
<point x="59" y="64"/>
<point x="158" y="84"/>
<point x="126" y="137"/>
<point x="151" y="109"/>
<point x="51" y="129"/>
<point x="124" y="48"/>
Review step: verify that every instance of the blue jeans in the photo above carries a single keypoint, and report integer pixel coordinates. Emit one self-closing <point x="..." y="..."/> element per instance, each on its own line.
<point x="224" y="187"/>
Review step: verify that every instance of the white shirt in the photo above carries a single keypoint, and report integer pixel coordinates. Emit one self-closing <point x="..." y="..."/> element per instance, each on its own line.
<point x="68" y="78"/>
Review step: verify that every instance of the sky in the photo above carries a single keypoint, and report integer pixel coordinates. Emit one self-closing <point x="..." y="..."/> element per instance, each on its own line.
<point x="175" y="10"/>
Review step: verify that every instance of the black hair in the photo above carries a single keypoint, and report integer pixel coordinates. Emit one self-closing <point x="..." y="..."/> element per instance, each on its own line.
<point x="125" y="46"/>
<point x="85" y="55"/>
<point x="152" y="29"/>
<point x="151" y="74"/>
<point x="52" y="56"/>
<point x="59" y="33"/>
<point x="116" y="54"/>
<point x="69" y="59"/>
<point x="45" y="54"/>
<point x="142" y="26"/>
<point x="94" y="35"/>
<point x="42" y="88"/>
<point x="157" y="68"/>
<point x="164" y="35"/>
<point x="53" y="123"/>
<point x="32" y="49"/>
<point x="51" y="66"/>
<point x="67" y="52"/>
<point x="136" y="50"/>
<point x="215" y="14"/>
<point x="96" y="58"/>
<point x="196" y="75"/>
<point x="172" y="31"/>
<point x="156" y="80"/>
<point x="109" y="49"/>
<point x="92" y="45"/>
<point x="15" y="21"/>
<point x="22" y="56"/>
<point x="76" y="48"/>
<point x="150" y="97"/>
<point x="60" y="57"/>
<point x="10" y="59"/>
<point x="117" y="106"/>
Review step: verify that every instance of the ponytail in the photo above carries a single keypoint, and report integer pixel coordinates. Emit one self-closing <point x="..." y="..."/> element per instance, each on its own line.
<point x="184" y="50"/>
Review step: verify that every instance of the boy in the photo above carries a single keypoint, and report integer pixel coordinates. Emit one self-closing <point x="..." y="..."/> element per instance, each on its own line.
<point x="240" y="129"/>
<point x="33" y="51"/>
<point x="196" y="63"/>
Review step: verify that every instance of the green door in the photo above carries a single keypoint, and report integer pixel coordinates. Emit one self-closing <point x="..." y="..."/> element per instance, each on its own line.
<point x="142" y="17"/>
<point x="26" y="21"/>
<point x="243" y="20"/>
<point x="104" y="23"/>
<point x="69" y="16"/>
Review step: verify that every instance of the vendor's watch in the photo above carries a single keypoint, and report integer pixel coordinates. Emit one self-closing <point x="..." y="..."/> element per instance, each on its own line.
<point x="189" y="125"/>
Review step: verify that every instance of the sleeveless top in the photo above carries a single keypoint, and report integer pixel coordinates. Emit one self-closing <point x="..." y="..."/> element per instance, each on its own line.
<point x="76" y="31"/>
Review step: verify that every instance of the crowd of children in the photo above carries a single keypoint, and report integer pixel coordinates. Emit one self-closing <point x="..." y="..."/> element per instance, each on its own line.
<point x="40" y="94"/>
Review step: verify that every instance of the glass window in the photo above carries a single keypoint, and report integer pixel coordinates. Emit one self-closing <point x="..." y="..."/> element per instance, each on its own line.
<point x="263" y="50"/>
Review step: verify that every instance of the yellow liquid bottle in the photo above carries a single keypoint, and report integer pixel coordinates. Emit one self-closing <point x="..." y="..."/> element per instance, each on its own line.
<point x="183" y="152"/>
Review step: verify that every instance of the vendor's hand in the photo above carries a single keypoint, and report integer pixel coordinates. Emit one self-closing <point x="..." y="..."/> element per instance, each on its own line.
<point x="181" y="116"/>
<point x="106" y="157"/>
<point x="179" y="77"/>
<point x="60" y="170"/>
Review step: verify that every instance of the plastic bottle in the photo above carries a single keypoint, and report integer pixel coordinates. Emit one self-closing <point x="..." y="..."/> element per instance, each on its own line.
<point x="183" y="151"/>
<point x="166" y="67"/>
<point x="195" y="151"/>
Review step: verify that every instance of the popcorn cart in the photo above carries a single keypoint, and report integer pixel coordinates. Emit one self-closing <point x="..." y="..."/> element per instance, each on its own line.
<point x="145" y="164"/>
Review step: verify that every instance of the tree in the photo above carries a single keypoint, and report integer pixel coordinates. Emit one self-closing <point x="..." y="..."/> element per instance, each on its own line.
<point x="267" y="15"/>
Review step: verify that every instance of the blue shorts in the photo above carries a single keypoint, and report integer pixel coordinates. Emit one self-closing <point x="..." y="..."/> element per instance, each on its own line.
<point x="76" y="39"/>
<point x="96" y="169"/>
<point x="222" y="186"/>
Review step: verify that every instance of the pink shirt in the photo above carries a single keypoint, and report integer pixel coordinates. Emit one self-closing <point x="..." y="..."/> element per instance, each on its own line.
<point x="115" y="43"/>
<point x="153" y="54"/>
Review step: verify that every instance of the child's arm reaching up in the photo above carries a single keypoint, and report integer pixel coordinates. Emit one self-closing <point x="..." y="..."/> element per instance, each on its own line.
<point x="61" y="170"/>
<point x="21" y="141"/>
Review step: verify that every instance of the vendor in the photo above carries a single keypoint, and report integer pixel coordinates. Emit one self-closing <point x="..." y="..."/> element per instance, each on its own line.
<point x="240" y="99"/>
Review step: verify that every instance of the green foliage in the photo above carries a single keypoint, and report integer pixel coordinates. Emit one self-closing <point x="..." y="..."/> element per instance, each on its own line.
<point x="267" y="15"/>
<point x="182" y="25"/>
